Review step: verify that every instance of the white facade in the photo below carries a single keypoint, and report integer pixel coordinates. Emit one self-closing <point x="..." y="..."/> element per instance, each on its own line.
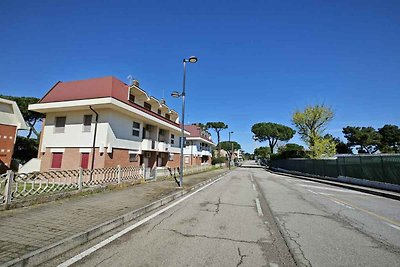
<point x="114" y="127"/>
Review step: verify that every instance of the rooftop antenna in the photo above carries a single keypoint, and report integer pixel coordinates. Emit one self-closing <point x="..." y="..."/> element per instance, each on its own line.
<point x="130" y="79"/>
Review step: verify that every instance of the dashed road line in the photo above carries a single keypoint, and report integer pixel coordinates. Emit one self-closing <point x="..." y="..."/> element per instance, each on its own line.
<point x="259" y="210"/>
<point x="254" y="187"/>
<point x="333" y="189"/>
<point x="393" y="226"/>
<point x="341" y="204"/>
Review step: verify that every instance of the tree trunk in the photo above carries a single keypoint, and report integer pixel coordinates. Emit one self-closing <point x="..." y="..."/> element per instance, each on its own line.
<point x="218" y="146"/>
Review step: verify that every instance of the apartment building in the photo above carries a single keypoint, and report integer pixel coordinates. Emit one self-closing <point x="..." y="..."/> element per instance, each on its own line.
<point x="11" y="121"/>
<point x="198" y="147"/>
<point x="107" y="122"/>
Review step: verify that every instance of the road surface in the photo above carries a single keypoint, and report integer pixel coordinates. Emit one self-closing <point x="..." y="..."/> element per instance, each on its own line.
<point x="232" y="223"/>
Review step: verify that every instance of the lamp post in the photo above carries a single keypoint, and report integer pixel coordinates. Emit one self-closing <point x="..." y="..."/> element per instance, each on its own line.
<point x="230" y="156"/>
<point x="191" y="59"/>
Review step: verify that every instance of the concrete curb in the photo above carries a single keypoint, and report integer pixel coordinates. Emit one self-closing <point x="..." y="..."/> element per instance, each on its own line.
<point x="377" y="192"/>
<point x="48" y="252"/>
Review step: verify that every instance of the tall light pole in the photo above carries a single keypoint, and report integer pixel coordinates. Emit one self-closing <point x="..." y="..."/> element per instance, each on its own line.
<point x="191" y="59"/>
<point x="230" y="157"/>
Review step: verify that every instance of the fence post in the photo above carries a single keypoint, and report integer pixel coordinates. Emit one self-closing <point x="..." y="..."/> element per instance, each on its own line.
<point x="119" y="173"/>
<point x="7" y="193"/>
<point x="337" y="167"/>
<point x="383" y="170"/>
<point x="80" y="179"/>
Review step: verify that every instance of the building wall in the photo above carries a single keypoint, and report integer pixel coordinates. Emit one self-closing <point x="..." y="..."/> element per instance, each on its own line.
<point x="72" y="158"/>
<point x="7" y="141"/>
<point x="174" y="163"/>
<point x="114" y="129"/>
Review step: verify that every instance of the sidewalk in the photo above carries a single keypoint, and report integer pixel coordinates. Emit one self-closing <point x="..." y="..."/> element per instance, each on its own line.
<point x="27" y="229"/>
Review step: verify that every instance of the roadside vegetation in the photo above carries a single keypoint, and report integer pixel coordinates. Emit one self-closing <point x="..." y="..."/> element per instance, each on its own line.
<point x="311" y="124"/>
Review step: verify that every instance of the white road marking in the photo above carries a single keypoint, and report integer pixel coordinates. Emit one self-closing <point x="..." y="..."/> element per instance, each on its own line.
<point x="259" y="210"/>
<point x="334" y="189"/>
<point x="312" y="192"/>
<point x="251" y="177"/>
<point x="128" y="229"/>
<point x="344" y="205"/>
<point x="254" y="187"/>
<point x="394" y="226"/>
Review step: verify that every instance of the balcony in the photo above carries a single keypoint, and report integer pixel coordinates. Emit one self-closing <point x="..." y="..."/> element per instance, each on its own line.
<point x="149" y="145"/>
<point x="206" y="153"/>
<point x="163" y="147"/>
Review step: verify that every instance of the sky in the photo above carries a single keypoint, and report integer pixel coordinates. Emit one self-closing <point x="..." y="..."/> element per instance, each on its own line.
<point x="258" y="61"/>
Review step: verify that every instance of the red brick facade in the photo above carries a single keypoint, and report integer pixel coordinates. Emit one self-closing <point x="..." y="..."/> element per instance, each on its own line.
<point x="71" y="159"/>
<point x="7" y="141"/>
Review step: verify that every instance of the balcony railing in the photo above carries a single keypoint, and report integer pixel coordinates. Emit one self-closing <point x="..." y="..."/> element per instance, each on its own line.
<point x="148" y="144"/>
<point x="163" y="147"/>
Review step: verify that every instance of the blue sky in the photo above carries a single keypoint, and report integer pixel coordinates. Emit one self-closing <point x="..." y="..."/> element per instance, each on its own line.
<point x="258" y="60"/>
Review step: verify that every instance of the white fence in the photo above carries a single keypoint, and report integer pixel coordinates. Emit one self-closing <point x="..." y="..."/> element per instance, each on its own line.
<point x="20" y="186"/>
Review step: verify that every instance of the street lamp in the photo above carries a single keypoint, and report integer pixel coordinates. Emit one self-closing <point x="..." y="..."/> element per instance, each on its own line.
<point x="230" y="157"/>
<point x="176" y="94"/>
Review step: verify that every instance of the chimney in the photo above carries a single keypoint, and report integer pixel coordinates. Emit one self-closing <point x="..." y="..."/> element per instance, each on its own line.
<point x="136" y="83"/>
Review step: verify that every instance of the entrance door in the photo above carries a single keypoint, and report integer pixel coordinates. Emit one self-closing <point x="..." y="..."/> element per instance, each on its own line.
<point x="145" y="161"/>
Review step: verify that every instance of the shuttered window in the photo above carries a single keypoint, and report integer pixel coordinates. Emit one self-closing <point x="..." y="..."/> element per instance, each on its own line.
<point x="87" y="123"/>
<point x="84" y="160"/>
<point x="135" y="129"/>
<point x="56" y="161"/>
<point x="59" y="125"/>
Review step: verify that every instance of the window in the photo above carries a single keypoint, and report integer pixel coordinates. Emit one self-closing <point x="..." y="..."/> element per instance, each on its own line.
<point x="167" y="116"/>
<point x="147" y="106"/>
<point x="159" y="112"/>
<point x="172" y="139"/>
<point x="60" y="124"/>
<point x="84" y="160"/>
<point x="133" y="157"/>
<point x="131" y="98"/>
<point x="56" y="161"/>
<point x="135" y="129"/>
<point x="87" y="123"/>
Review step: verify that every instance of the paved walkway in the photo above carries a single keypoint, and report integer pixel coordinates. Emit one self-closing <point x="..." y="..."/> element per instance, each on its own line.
<point x="27" y="229"/>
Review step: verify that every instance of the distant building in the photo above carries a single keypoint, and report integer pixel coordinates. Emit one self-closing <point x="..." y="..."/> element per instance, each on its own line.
<point x="198" y="147"/>
<point x="121" y="124"/>
<point x="11" y="121"/>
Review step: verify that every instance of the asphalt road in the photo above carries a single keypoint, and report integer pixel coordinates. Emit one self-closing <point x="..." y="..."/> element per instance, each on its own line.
<point x="233" y="223"/>
<point x="331" y="226"/>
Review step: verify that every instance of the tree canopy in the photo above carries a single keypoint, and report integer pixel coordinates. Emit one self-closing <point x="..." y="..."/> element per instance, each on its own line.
<point x="217" y="126"/>
<point x="272" y="132"/>
<point x="312" y="121"/>
<point x="227" y="145"/>
<point x="30" y="117"/>
<point x="341" y="147"/>
<point x="365" y="139"/>
<point x="390" y="139"/>
<point x="311" y="124"/>
<point x="262" y="152"/>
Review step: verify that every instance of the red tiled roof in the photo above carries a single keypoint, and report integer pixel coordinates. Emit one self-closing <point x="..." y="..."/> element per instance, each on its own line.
<point x="95" y="88"/>
<point x="195" y="131"/>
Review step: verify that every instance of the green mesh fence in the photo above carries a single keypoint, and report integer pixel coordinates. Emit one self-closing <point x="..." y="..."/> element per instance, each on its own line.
<point x="380" y="168"/>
